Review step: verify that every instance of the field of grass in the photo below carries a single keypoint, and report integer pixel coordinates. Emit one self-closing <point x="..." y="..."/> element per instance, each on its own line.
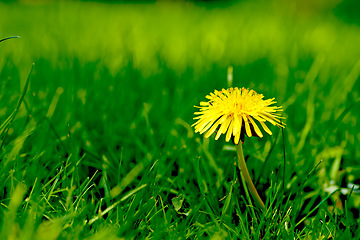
<point x="97" y="103"/>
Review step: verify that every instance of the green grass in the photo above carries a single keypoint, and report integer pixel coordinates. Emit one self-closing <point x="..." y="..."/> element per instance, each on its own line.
<point x="96" y="140"/>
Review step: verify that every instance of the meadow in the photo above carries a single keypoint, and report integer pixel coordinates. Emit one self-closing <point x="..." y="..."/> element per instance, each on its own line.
<point x="97" y="103"/>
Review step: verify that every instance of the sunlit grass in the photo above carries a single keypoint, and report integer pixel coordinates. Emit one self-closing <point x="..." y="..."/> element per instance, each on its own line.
<point x="99" y="143"/>
<point x="151" y="35"/>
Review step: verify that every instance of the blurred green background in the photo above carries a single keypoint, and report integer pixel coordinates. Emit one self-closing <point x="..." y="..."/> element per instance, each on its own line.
<point x="118" y="80"/>
<point x="296" y="51"/>
<point x="182" y="35"/>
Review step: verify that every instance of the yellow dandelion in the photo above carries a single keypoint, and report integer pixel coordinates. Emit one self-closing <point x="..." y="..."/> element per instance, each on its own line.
<point x="233" y="111"/>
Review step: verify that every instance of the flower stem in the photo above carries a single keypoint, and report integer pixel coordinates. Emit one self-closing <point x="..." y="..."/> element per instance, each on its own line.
<point x="245" y="172"/>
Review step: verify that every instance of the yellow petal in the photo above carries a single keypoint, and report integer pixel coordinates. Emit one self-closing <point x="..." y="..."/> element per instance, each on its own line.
<point x="207" y="126"/>
<point x="259" y="118"/>
<point x="236" y="125"/>
<point x="266" y="117"/>
<point x="247" y="126"/>
<point x="229" y="132"/>
<point x="224" y="126"/>
<point x="204" y="103"/>
<point x="237" y="137"/>
<point x="256" y="128"/>
<point x="213" y="128"/>
<point x="266" y="128"/>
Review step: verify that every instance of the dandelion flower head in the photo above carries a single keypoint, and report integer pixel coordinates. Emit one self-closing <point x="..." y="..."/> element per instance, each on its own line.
<point x="233" y="111"/>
